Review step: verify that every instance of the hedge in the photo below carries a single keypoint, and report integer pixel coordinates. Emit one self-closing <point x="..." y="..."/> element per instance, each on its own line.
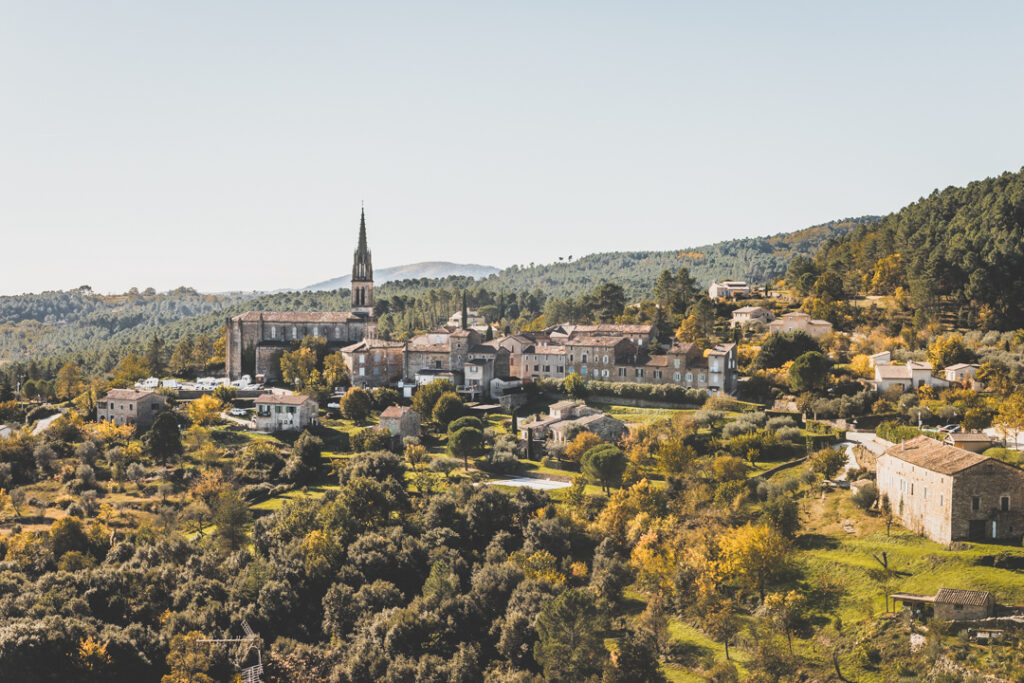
<point x="653" y="392"/>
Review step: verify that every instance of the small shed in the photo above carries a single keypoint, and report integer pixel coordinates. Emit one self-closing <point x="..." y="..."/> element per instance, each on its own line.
<point x="950" y="604"/>
<point x="975" y="442"/>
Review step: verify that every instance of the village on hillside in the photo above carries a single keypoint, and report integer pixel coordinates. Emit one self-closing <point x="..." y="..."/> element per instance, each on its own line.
<point x="762" y="481"/>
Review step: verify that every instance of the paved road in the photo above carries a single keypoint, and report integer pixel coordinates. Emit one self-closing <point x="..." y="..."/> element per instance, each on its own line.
<point x="529" y="482"/>
<point x="41" y="425"/>
<point x="248" y="424"/>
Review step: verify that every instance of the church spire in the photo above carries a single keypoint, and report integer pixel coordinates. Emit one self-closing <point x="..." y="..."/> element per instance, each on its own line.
<point x="362" y="273"/>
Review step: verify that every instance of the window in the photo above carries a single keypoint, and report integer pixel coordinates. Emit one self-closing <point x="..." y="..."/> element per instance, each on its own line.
<point x="604" y="373"/>
<point x="437" y="365"/>
<point x="547" y="368"/>
<point x="689" y="377"/>
<point x="295" y="332"/>
<point x="571" y="358"/>
<point x="536" y="368"/>
<point x="676" y="363"/>
<point x="975" y="503"/>
<point x="942" y="500"/>
<point x="583" y="358"/>
<point x="604" y="359"/>
<point x="316" y="331"/>
<point x="362" y="359"/>
<point x="561" y="369"/>
<point x="1004" y="503"/>
<point x="657" y="374"/>
<point x="701" y="377"/>
<point x="676" y="376"/>
<point x="597" y="373"/>
<point x="622" y="372"/>
<point x="273" y="331"/>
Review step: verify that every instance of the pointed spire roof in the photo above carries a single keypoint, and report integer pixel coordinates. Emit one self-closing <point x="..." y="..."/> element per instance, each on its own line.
<point x="362" y="267"/>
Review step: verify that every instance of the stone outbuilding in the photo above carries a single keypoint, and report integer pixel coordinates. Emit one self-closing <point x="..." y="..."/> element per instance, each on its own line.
<point x="605" y="426"/>
<point x="950" y="604"/>
<point x="130" y="407"/>
<point x="401" y="421"/>
<point x="951" y="494"/>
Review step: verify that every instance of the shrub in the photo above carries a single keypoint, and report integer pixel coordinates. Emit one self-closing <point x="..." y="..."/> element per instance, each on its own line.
<point x="865" y="496"/>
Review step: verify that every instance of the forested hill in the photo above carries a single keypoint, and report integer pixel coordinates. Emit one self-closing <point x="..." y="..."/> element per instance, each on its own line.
<point x="755" y="259"/>
<point x="962" y="248"/>
<point x="79" y="320"/>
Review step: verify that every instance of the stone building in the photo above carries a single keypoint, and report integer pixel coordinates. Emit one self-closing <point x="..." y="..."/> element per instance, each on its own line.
<point x="605" y="426"/>
<point x="257" y="339"/>
<point x="950" y="604"/>
<point x="130" y="407"/>
<point x="285" y="412"/>
<point x="797" y="321"/>
<point x="375" y="362"/>
<point x="751" y="314"/>
<point x="538" y="361"/>
<point x="951" y="494"/>
<point x="400" y="421"/>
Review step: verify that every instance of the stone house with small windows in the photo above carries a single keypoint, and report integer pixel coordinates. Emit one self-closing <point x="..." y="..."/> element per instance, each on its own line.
<point x="748" y="315"/>
<point x="374" y="362"/>
<point x="797" y="321"/>
<point x="913" y="375"/>
<point x="641" y="335"/>
<point x="130" y="407"/>
<point x="401" y="421"/>
<point x="285" y="412"/>
<point x="605" y="426"/>
<point x="728" y="289"/>
<point x="951" y="494"/>
<point x="597" y="358"/>
<point x="542" y="361"/>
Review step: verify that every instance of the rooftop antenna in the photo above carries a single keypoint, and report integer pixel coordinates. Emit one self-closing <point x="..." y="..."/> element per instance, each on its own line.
<point x="250" y="674"/>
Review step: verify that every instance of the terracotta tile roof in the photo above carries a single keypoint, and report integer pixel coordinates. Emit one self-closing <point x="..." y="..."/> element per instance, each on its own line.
<point x="955" y="596"/>
<point x="545" y="350"/>
<point x="594" y="341"/>
<point x="396" y="412"/>
<point x="427" y="348"/>
<point x="298" y="317"/>
<point x="127" y="395"/>
<point x="934" y="455"/>
<point x="750" y="309"/>
<point x="962" y="366"/>
<point x="368" y="344"/>
<point x="282" y="399"/>
<point x="964" y="437"/>
<point x="893" y="372"/>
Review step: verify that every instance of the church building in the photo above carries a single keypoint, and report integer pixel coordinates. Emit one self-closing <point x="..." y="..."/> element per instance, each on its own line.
<point x="257" y="339"/>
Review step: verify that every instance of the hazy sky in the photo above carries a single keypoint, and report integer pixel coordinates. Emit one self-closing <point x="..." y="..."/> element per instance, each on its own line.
<point x="227" y="145"/>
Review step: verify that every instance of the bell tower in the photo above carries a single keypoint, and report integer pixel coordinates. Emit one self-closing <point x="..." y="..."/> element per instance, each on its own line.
<point x="362" y="274"/>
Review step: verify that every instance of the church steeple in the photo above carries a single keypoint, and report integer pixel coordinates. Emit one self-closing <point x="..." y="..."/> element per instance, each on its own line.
<point x="362" y="273"/>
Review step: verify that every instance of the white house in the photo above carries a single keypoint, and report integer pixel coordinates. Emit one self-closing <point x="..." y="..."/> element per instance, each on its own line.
<point x="913" y="375"/>
<point x="285" y="412"/>
<point x="962" y="373"/>
<point x="728" y="289"/>
<point x="880" y="358"/>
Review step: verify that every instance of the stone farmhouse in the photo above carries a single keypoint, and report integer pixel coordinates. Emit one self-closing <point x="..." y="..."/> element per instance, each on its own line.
<point x="130" y="407"/>
<point x="285" y="412"/>
<point x="565" y="414"/>
<point x="400" y="421"/>
<point x="257" y="339"/>
<point x="747" y="315"/>
<point x="951" y="494"/>
<point x="797" y="321"/>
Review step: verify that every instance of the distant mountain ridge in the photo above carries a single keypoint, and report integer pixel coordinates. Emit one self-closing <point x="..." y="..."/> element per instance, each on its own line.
<point x="410" y="271"/>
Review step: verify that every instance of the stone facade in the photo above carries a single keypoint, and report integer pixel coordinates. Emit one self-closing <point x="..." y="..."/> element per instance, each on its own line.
<point x="950" y="494"/>
<point x="797" y="321"/>
<point x="400" y="421"/>
<point x="375" y="362"/>
<point x="130" y="407"/>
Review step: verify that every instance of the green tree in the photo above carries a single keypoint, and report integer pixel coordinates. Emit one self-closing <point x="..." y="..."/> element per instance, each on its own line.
<point x="231" y="515"/>
<point x="948" y="350"/>
<point x="426" y="396"/>
<point x="297" y="366"/>
<point x="808" y="372"/>
<point x="610" y="300"/>
<point x="605" y="464"/>
<point x="356" y="404"/>
<point x="570" y="646"/>
<point x="335" y="372"/>
<point x="574" y="385"/>
<point x="69" y="382"/>
<point x="465" y="444"/>
<point x="828" y="461"/>
<point x="155" y="356"/>
<point x="164" y="437"/>
<point x="188" y="660"/>
<point x="448" y="408"/>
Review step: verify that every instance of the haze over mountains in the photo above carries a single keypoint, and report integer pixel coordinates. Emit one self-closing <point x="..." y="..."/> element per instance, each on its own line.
<point x="410" y="271"/>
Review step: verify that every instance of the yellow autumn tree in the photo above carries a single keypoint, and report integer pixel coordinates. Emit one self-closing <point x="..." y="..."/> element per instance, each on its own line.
<point x="753" y="555"/>
<point x="205" y="409"/>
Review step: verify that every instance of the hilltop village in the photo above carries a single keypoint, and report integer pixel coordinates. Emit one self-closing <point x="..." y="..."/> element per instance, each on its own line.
<point x="793" y="479"/>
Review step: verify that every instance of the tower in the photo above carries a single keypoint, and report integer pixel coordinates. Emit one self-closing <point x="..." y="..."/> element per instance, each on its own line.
<point x="362" y="274"/>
